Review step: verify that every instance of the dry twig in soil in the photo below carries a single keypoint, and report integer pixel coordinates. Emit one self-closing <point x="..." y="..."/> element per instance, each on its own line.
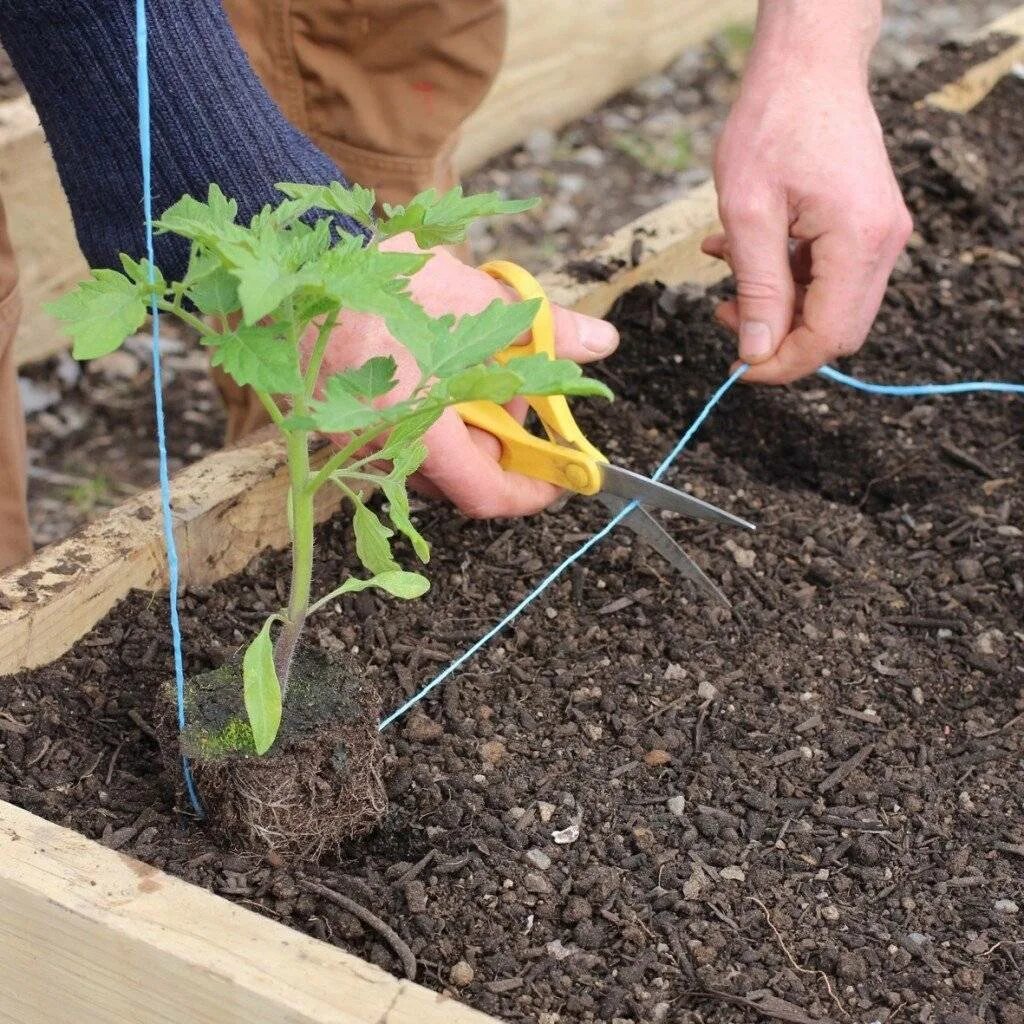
<point x="393" y="939"/>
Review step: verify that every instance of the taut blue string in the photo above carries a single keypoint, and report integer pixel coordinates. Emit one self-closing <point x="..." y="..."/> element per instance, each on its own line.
<point x="918" y="390"/>
<point x="146" y="154"/>
<point x="898" y="390"/>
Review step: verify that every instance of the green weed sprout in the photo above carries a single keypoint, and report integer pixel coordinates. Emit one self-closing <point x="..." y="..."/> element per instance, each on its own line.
<point x="253" y="293"/>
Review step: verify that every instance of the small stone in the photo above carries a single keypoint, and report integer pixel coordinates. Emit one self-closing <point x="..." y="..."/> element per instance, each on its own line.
<point x="461" y="974"/>
<point x="693" y="887"/>
<point x="1006" y="907"/>
<point x="916" y="942"/>
<point x="657" y="87"/>
<point x="674" y="673"/>
<point x="536" y="883"/>
<point x="493" y="752"/>
<point x="559" y="951"/>
<point x="917" y="694"/>
<point x="830" y="913"/>
<point x="656" y="758"/>
<point x="540" y="144"/>
<point x="743" y="557"/>
<point x="545" y="810"/>
<point x="539" y="859"/>
<point x="707" y="691"/>
<point x="565" y="836"/>
<point x="733" y="873"/>
<point x="420" y="729"/>
<point x="559" y="216"/>
<point x="590" y="156"/>
<point x="677" y="806"/>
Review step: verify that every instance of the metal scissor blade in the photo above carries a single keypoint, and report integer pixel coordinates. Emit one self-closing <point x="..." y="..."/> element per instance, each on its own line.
<point x="644" y="526"/>
<point x="624" y="483"/>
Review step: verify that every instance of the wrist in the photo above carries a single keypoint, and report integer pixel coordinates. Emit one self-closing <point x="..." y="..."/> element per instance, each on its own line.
<point x="815" y="40"/>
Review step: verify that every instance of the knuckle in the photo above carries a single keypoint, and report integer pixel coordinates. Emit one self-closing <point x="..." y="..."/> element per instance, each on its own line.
<point x="478" y="508"/>
<point x="742" y="208"/>
<point x="763" y="287"/>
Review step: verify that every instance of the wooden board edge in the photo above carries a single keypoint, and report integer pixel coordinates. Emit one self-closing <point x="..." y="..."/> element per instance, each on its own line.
<point x="90" y="936"/>
<point x="964" y="94"/>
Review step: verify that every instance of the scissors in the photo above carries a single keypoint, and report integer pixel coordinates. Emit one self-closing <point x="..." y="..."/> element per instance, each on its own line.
<point x="567" y="459"/>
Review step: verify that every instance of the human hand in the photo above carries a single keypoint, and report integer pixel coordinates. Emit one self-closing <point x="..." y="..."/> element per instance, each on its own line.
<point x="462" y="464"/>
<point x="814" y="220"/>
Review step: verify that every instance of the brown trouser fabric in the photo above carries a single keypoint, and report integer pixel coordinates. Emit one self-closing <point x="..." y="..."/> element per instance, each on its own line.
<point x="383" y="86"/>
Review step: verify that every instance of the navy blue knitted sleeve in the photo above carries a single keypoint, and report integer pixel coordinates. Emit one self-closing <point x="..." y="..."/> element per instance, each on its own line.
<point x="212" y="119"/>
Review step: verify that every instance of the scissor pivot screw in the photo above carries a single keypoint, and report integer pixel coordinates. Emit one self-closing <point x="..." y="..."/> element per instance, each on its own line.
<point x="576" y="476"/>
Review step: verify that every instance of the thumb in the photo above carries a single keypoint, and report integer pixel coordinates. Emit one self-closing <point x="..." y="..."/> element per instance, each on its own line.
<point x="757" y="240"/>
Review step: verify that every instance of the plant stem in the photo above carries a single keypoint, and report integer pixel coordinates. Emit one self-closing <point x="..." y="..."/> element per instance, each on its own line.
<point x="302" y="522"/>
<point x="317" y="357"/>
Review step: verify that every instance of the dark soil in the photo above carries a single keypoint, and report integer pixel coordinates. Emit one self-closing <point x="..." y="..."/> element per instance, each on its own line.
<point x="634" y="805"/>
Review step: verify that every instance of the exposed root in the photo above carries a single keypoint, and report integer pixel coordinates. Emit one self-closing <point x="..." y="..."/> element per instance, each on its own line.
<point x="792" y="959"/>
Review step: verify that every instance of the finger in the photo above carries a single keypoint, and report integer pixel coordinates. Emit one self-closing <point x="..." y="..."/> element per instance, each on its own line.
<point x="715" y="245"/>
<point x="757" y="233"/>
<point x="582" y="338"/>
<point x="799" y="256"/>
<point x="841" y="301"/>
<point x="463" y="467"/>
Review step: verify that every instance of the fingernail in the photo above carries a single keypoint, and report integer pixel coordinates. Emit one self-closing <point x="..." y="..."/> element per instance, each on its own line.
<point x="596" y="336"/>
<point x="755" y="341"/>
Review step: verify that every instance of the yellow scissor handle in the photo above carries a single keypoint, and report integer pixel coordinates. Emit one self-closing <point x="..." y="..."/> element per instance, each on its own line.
<point x="573" y="463"/>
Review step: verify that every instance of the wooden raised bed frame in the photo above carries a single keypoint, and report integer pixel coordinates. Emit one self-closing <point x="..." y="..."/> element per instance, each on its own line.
<point x="90" y="936"/>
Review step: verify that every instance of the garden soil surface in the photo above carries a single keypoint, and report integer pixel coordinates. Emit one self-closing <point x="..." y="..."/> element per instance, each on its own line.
<point x="635" y="805"/>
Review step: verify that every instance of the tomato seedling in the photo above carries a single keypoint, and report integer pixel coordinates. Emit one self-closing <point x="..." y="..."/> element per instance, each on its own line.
<point x="253" y="293"/>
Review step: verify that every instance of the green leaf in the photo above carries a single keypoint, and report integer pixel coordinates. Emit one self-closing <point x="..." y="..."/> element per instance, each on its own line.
<point x="263" y="282"/>
<point x="100" y="313"/>
<point x="206" y="223"/>
<point x="215" y="293"/>
<point x="413" y="426"/>
<point x="340" y="411"/>
<point x="258" y="356"/>
<point x="355" y="201"/>
<point x="373" y="544"/>
<point x="138" y="272"/>
<point x="398" y="583"/>
<point x="262" y="690"/>
<point x="541" y="375"/>
<point x="407" y="585"/>
<point x="443" y="220"/>
<point x="374" y="378"/>
<point x="488" y="382"/>
<point x="479" y="336"/>
<point x="399" y="514"/>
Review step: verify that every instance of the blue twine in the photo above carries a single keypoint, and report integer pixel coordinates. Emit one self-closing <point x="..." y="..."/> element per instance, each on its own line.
<point x="899" y="390"/>
<point x="919" y="390"/>
<point x="146" y="154"/>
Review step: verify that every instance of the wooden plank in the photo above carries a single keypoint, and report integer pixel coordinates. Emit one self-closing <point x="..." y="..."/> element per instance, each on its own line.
<point x="90" y="936"/>
<point x="563" y="61"/>
<point x="229" y="505"/>
<point x="558" y="67"/>
<point x="963" y="95"/>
